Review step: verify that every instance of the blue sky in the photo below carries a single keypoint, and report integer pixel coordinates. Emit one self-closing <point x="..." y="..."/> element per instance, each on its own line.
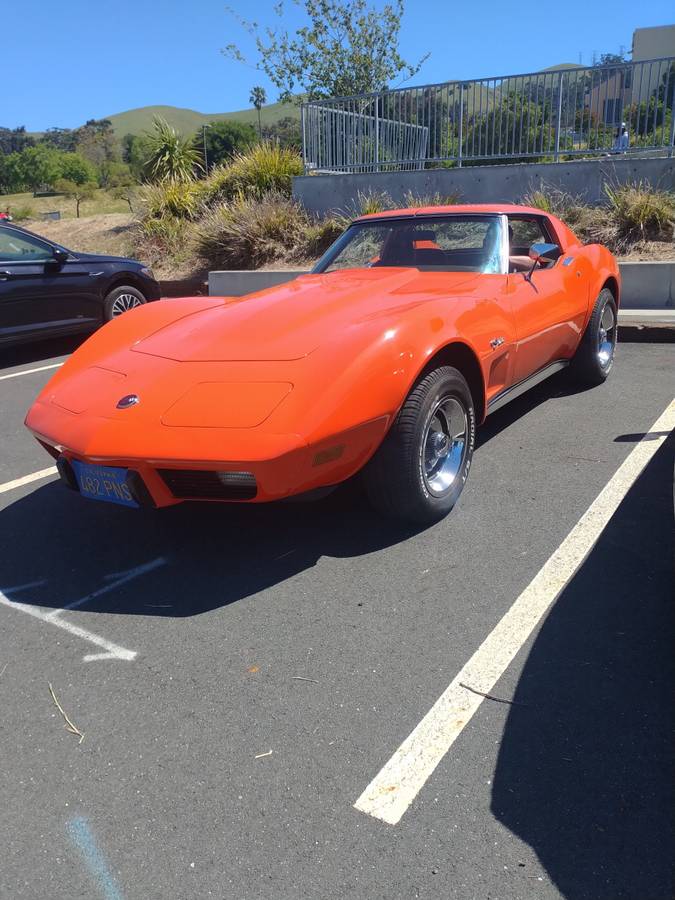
<point x="63" y="63"/>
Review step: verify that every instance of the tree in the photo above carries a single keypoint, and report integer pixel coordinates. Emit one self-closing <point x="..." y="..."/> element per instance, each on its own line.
<point x="136" y="152"/>
<point x="61" y="138"/>
<point x="121" y="183"/>
<point x="285" y="132"/>
<point x="36" y="167"/>
<point x="96" y="141"/>
<point x="74" y="167"/>
<point x="223" y="139"/>
<point x="172" y="157"/>
<point x="14" y="140"/>
<point x="348" y="47"/>
<point x="76" y="192"/>
<point x="610" y="59"/>
<point x="257" y="98"/>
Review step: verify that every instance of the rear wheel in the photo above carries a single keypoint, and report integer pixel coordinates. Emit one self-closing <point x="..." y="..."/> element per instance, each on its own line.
<point x="594" y="358"/>
<point x="419" y="471"/>
<point x="121" y="300"/>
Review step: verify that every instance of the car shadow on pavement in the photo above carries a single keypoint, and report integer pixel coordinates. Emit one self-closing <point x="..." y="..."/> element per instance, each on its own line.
<point x="38" y="351"/>
<point x="559" y="385"/>
<point x="585" y="771"/>
<point x="213" y="554"/>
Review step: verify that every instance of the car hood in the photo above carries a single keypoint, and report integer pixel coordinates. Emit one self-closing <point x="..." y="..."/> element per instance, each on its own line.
<point x="104" y="258"/>
<point x="290" y="321"/>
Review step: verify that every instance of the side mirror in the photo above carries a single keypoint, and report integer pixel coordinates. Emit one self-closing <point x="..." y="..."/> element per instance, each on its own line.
<point x="60" y="256"/>
<point x="540" y="254"/>
<point x="544" y="253"/>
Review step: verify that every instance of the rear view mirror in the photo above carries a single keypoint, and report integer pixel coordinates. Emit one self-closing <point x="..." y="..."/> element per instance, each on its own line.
<point x="60" y="256"/>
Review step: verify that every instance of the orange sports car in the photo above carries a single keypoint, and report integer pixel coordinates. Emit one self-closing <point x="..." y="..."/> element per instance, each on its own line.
<point x="412" y="328"/>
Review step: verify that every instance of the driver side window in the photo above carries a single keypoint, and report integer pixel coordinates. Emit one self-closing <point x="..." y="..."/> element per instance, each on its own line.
<point x="16" y="247"/>
<point x="523" y="232"/>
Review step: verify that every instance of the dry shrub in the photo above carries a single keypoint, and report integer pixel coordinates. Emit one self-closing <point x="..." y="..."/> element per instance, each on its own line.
<point x="641" y="213"/>
<point x="247" y="233"/>
<point x="265" y="168"/>
<point x="317" y="237"/>
<point x="413" y="200"/>
<point x="157" y="240"/>
<point x="635" y="212"/>
<point x="176" y="200"/>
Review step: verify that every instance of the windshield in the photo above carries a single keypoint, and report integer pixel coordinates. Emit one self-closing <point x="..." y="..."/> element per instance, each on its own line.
<point x="452" y="243"/>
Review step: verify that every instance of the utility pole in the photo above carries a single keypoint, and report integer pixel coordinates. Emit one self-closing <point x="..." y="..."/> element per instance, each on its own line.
<point x="206" y="158"/>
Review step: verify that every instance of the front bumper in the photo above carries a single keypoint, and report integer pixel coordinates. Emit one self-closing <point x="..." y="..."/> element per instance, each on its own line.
<point x="192" y="466"/>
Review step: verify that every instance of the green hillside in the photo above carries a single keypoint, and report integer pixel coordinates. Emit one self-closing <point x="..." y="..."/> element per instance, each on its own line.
<point x="187" y="121"/>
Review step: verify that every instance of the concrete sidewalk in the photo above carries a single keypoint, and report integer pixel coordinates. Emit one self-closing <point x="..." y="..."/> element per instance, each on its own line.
<point x="654" y="325"/>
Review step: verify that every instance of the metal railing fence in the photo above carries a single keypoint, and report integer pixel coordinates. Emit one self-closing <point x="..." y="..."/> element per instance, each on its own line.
<point x="554" y="114"/>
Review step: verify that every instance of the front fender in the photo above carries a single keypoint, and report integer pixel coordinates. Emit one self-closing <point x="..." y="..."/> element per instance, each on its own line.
<point x="366" y="377"/>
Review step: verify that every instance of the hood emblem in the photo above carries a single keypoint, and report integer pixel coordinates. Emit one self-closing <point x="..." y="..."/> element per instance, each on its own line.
<point x="129" y="400"/>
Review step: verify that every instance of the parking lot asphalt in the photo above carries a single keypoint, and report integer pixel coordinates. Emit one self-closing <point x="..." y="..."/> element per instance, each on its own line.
<point x="256" y="667"/>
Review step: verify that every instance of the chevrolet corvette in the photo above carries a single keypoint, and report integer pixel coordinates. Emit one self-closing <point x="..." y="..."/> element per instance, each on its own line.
<point x="414" y="326"/>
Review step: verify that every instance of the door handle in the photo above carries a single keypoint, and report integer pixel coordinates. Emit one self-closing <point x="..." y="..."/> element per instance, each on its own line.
<point x="4" y="275"/>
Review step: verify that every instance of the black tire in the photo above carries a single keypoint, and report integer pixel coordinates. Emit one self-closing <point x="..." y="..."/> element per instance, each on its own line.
<point x="399" y="479"/>
<point x="591" y="364"/>
<point x="124" y="295"/>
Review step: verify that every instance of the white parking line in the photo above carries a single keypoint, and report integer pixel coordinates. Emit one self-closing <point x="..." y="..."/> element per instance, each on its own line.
<point x="30" y="371"/>
<point x="26" y="479"/>
<point x="110" y="650"/>
<point x="115" y="580"/>
<point x="395" y="787"/>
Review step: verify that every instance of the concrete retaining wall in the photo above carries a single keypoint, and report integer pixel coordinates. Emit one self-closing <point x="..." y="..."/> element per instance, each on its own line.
<point x="646" y="285"/>
<point x="236" y="283"/>
<point x="485" y="184"/>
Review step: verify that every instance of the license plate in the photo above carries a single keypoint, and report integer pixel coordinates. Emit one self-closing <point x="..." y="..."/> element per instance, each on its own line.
<point x="103" y="483"/>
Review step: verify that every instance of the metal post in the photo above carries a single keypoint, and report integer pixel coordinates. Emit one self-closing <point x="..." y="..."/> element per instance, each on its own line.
<point x="461" y="125"/>
<point x="377" y="132"/>
<point x="556" y="155"/>
<point x="304" y="139"/>
<point x="672" y="116"/>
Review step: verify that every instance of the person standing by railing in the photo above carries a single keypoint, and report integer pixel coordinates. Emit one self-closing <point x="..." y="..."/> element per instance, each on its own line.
<point x="622" y="139"/>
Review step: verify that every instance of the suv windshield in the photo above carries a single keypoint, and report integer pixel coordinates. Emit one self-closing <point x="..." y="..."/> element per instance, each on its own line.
<point x="453" y="243"/>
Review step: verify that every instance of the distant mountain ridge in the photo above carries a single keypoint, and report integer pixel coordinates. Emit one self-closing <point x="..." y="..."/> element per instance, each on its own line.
<point x="187" y="121"/>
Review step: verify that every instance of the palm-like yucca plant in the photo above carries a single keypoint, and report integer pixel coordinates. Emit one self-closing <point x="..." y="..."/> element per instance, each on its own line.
<point x="172" y="157"/>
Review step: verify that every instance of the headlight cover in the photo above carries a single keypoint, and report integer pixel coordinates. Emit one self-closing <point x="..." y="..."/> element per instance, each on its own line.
<point x="147" y="271"/>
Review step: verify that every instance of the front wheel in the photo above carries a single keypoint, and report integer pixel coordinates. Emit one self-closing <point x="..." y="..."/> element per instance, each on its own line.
<point x="419" y="471"/>
<point x="121" y="300"/>
<point x="594" y="358"/>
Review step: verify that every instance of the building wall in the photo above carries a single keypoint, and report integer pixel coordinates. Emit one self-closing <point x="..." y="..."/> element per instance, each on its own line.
<point x="485" y="184"/>
<point x="653" y="43"/>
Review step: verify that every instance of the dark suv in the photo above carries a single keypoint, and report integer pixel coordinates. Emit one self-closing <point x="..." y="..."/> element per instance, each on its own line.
<point x="46" y="290"/>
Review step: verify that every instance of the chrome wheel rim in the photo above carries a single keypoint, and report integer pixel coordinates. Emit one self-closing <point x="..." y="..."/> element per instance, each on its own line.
<point x="444" y="445"/>
<point x="606" y="336"/>
<point x="124" y="303"/>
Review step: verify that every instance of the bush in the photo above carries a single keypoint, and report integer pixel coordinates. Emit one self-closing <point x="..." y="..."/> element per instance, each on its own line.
<point x="411" y="199"/>
<point x="635" y="212"/>
<point x="265" y="168"/>
<point x="249" y="232"/>
<point x="156" y="239"/>
<point x="317" y="237"/>
<point x="175" y="199"/>
<point x="641" y="213"/>
<point x="21" y="213"/>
